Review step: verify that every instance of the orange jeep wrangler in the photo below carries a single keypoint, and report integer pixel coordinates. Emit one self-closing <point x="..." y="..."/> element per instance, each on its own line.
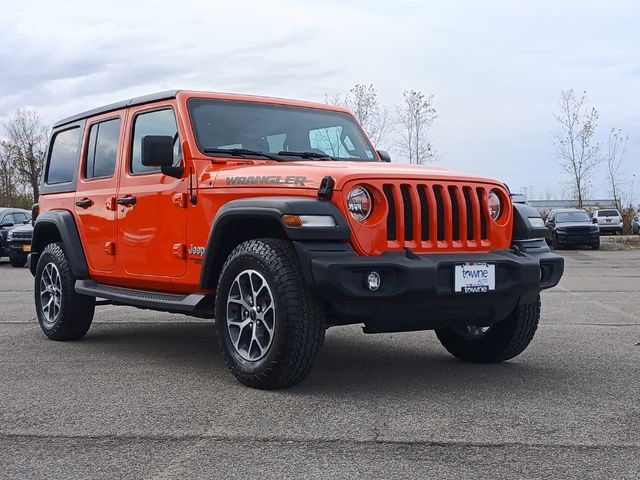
<point x="279" y="219"/>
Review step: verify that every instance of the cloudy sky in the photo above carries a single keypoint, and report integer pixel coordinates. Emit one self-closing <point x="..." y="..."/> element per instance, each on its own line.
<point x="495" y="68"/>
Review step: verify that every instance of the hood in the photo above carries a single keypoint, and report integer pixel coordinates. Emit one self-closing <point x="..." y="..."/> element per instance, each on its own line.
<point x="309" y="174"/>
<point x="27" y="227"/>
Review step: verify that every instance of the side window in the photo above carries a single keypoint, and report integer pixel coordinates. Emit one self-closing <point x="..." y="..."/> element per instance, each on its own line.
<point x="102" y="150"/>
<point x="63" y="159"/>
<point x="159" y="122"/>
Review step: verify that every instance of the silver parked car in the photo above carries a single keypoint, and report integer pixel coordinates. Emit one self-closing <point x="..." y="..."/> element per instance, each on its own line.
<point x="608" y="220"/>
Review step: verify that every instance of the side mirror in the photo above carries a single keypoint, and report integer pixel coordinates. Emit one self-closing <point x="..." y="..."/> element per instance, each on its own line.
<point x="157" y="151"/>
<point x="7" y="225"/>
<point x="594" y="220"/>
<point x="384" y="156"/>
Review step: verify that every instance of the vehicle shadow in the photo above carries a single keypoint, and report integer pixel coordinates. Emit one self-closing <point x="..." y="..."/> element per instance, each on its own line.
<point x="350" y="364"/>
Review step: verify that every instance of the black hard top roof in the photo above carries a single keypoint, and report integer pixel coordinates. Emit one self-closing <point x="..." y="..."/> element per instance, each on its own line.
<point x="153" y="97"/>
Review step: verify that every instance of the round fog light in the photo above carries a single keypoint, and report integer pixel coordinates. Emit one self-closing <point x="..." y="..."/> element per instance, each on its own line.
<point x="373" y="281"/>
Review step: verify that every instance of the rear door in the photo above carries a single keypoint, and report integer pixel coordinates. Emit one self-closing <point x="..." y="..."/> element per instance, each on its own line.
<point x="152" y="214"/>
<point x="96" y="189"/>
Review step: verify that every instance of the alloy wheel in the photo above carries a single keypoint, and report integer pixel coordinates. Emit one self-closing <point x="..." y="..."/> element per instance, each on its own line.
<point x="251" y="315"/>
<point x="50" y="294"/>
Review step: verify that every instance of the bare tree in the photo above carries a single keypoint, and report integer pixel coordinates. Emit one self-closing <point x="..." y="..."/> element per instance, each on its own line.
<point x="7" y="175"/>
<point x="578" y="153"/>
<point x="415" y="116"/>
<point x="28" y="137"/>
<point x="363" y="102"/>
<point x="615" y="154"/>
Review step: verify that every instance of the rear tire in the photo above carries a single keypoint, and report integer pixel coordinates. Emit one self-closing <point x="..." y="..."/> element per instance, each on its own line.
<point x="502" y="341"/>
<point x="270" y="326"/>
<point x="18" y="261"/>
<point x="62" y="313"/>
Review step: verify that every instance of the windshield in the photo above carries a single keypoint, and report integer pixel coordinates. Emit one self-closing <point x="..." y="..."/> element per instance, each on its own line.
<point x="266" y="128"/>
<point x="564" y="217"/>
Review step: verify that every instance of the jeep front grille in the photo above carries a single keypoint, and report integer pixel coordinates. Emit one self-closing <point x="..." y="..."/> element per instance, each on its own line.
<point x="426" y="216"/>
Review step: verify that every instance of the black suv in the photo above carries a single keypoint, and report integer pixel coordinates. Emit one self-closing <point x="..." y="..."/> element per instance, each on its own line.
<point x="572" y="227"/>
<point x="19" y="242"/>
<point x="9" y="219"/>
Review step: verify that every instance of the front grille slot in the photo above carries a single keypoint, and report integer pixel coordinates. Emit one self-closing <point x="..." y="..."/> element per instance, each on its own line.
<point x="437" y="191"/>
<point x="455" y="213"/>
<point x="407" y="207"/>
<point x="466" y="191"/>
<point x="483" y="214"/>
<point x="424" y="213"/>
<point x="391" y="216"/>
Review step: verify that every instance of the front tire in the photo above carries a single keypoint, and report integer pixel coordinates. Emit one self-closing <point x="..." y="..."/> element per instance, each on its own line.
<point x="270" y="326"/>
<point x="596" y="245"/>
<point x="499" y="342"/>
<point x="62" y="313"/>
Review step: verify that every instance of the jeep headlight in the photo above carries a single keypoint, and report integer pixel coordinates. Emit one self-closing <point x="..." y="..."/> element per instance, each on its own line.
<point x="494" y="205"/>
<point x="9" y="236"/>
<point x="359" y="203"/>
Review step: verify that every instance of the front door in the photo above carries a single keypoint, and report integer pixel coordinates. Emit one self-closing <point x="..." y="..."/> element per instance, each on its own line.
<point x="95" y="209"/>
<point x="152" y="216"/>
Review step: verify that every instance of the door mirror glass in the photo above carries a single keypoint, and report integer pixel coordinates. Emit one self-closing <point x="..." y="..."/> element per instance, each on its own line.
<point x="7" y="225"/>
<point x="157" y="151"/>
<point x="384" y="156"/>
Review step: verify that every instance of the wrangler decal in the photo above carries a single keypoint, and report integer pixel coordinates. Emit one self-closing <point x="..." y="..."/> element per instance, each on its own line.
<point x="267" y="180"/>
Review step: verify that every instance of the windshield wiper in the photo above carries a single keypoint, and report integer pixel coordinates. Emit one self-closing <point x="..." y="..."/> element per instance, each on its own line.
<point x="242" y="152"/>
<point x="314" y="155"/>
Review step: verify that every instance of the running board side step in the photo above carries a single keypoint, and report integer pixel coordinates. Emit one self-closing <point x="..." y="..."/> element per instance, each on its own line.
<point x="197" y="305"/>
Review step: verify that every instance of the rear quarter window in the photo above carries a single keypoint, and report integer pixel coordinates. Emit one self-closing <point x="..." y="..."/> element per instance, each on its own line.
<point x="63" y="157"/>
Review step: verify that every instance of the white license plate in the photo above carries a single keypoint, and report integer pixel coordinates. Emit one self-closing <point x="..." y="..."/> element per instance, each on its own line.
<point x="608" y="220"/>
<point x="474" y="278"/>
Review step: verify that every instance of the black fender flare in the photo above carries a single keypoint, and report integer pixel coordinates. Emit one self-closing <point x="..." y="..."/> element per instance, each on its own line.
<point x="272" y="209"/>
<point x="63" y="222"/>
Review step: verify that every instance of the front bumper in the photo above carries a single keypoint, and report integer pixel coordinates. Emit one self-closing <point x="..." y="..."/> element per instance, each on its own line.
<point x="17" y="247"/>
<point x="421" y="287"/>
<point x="577" y="238"/>
<point x="610" y="227"/>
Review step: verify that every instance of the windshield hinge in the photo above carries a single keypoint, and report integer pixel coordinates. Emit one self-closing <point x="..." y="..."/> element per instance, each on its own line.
<point x="326" y="188"/>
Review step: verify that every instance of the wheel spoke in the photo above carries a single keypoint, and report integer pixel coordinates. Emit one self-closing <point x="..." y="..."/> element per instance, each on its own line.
<point x="241" y="302"/>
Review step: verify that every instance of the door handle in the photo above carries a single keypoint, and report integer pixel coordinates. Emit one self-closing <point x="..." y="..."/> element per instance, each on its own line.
<point x="127" y="201"/>
<point x="84" y="203"/>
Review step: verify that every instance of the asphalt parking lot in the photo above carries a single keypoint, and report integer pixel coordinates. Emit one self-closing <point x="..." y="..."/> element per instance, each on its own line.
<point x="146" y="395"/>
